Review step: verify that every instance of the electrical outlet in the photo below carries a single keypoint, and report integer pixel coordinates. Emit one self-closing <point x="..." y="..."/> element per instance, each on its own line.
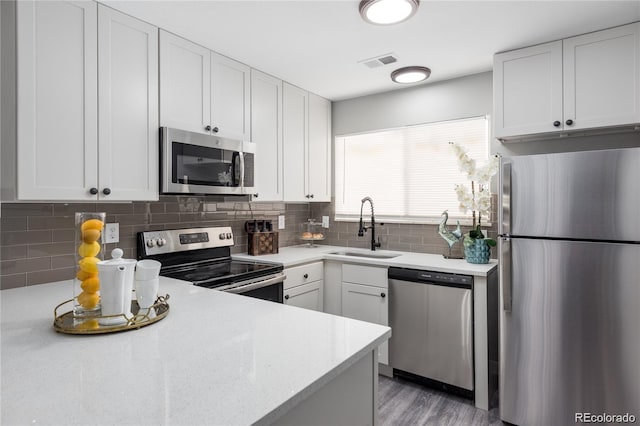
<point x="112" y="233"/>
<point x="281" y="221"/>
<point x="325" y="221"/>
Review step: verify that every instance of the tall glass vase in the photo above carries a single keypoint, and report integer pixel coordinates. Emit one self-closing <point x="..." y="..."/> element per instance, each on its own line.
<point x="89" y="251"/>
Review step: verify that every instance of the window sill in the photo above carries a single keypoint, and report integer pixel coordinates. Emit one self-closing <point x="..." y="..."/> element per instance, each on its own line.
<point x="411" y="221"/>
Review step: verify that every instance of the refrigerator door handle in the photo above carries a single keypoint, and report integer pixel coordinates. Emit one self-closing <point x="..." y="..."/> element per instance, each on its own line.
<point x="505" y="273"/>
<point x="505" y="204"/>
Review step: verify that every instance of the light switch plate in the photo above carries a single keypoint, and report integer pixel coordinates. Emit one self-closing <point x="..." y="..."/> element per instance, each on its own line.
<point x="325" y="221"/>
<point x="112" y="233"/>
<point x="281" y="221"/>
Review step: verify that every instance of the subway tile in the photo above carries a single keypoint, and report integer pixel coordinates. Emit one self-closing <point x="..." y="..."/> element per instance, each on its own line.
<point x="26" y="237"/>
<point x="17" y="266"/>
<point x="70" y="209"/>
<point x="145" y="208"/>
<point x="189" y="217"/>
<point x="66" y="261"/>
<point x="13" y="252"/>
<point x="8" y="224"/>
<point x="51" y="275"/>
<point x="115" y="208"/>
<point x="165" y="217"/>
<point x="62" y="235"/>
<point x="26" y="209"/>
<point x="171" y="208"/>
<point x="53" y="222"/>
<point x="13" y="281"/>
<point x="130" y="219"/>
<point x="51" y="249"/>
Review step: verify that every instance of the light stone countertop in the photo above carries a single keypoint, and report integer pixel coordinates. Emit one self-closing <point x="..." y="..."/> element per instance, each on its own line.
<point x="298" y="255"/>
<point x="217" y="358"/>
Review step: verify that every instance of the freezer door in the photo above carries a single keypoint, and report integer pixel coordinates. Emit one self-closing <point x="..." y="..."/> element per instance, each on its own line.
<point x="570" y="343"/>
<point x="584" y="195"/>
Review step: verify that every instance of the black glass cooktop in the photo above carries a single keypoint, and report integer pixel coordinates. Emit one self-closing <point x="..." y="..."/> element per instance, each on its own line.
<point x="218" y="273"/>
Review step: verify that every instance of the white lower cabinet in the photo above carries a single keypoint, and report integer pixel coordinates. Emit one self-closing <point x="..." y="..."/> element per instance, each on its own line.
<point x="364" y="297"/>
<point x="304" y="286"/>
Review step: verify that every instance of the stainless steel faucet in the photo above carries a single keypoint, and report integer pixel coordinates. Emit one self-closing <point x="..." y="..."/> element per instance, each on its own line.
<point x="363" y="228"/>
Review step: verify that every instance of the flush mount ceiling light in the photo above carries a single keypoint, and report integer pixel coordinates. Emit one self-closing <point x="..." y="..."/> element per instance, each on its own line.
<point x="387" y="12"/>
<point x="410" y="74"/>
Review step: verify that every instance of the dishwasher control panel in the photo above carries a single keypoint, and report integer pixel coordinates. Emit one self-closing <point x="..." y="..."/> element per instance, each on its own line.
<point x="431" y="277"/>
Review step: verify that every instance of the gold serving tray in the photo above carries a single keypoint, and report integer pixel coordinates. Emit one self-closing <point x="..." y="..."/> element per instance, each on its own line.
<point x="70" y="324"/>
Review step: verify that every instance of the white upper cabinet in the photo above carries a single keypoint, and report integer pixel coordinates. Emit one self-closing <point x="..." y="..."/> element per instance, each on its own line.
<point x="527" y="86"/>
<point x="75" y="59"/>
<point x="185" y="84"/>
<point x="602" y="78"/>
<point x="128" y="107"/>
<point x="202" y="91"/>
<point x="307" y="146"/>
<point x="266" y="130"/>
<point x="584" y="82"/>
<point x="56" y="100"/>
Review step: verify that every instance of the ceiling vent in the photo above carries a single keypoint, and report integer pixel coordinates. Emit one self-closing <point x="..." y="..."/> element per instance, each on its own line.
<point x="379" y="61"/>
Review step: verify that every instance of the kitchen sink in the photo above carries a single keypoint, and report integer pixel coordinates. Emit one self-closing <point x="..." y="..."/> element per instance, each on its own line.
<point x="372" y="255"/>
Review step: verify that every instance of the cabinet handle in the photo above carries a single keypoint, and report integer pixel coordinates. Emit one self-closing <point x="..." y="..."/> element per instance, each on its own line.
<point x="557" y="123"/>
<point x="93" y="191"/>
<point x="307" y="196"/>
<point x="106" y="191"/>
<point x="215" y="130"/>
<point x="306" y="276"/>
<point x="255" y="195"/>
<point x="569" y="122"/>
<point x="286" y="297"/>
<point x="383" y="295"/>
<point x="208" y="128"/>
<point x="311" y="196"/>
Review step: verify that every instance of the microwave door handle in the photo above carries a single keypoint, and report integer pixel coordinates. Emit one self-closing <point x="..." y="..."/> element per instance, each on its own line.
<point x="235" y="169"/>
<point x="241" y="156"/>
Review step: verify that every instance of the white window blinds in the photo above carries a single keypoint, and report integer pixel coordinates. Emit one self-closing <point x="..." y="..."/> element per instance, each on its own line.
<point x="410" y="172"/>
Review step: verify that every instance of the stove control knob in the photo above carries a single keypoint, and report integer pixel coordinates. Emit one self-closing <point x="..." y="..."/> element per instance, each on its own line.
<point x="222" y="236"/>
<point x="151" y="243"/>
<point x="229" y="236"/>
<point x="161" y="241"/>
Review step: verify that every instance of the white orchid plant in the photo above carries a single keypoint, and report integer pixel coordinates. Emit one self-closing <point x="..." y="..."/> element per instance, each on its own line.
<point x="478" y="197"/>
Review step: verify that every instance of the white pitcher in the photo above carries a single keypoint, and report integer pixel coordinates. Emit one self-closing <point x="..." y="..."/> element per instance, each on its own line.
<point x="116" y="286"/>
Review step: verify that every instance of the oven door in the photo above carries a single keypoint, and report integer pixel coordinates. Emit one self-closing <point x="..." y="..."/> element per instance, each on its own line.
<point x="194" y="163"/>
<point x="265" y="288"/>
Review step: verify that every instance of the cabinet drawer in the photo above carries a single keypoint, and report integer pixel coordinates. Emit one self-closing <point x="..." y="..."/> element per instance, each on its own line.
<point x="303" y="274"/>
<point x="367" y="275"/>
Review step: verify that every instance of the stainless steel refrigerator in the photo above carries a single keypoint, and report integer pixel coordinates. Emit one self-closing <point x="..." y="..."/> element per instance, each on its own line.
<point x="570" y="287"/>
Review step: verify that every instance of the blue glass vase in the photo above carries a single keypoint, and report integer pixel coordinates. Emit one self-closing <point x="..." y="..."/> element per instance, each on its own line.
<point x="478" y="252"/>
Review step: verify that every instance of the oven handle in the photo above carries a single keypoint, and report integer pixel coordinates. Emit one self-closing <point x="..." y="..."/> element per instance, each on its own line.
<point x="244" y="286"/>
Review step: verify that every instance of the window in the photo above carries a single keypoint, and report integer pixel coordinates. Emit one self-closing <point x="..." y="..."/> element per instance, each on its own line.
<point x="410" y="172"/>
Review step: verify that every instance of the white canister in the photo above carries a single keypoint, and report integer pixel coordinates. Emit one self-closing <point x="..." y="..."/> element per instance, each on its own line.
<point x="116" y="286"/>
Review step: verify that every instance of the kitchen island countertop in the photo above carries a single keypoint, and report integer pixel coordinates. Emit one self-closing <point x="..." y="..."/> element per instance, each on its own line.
<point x="217" y="358"/>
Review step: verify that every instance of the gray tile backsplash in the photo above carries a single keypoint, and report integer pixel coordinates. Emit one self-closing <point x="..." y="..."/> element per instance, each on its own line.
<point x="37" y="239"/>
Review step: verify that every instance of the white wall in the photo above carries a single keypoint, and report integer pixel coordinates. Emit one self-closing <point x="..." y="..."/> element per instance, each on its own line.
<point x="458" y="98"/>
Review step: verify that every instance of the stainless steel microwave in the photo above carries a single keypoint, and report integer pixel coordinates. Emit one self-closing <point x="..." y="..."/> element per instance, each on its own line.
<point x="194" y="163"/>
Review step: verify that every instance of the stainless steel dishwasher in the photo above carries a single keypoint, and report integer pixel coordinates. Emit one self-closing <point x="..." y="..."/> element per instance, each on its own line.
<point x="431" y="315"/>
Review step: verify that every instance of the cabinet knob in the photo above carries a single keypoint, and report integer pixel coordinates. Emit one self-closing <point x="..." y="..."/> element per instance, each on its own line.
<point x="208" y="128"/>
<point x="106" y="191"/>
<point x="286" y="297"/>
<point x="557" y="123"/>
<point x="383" y="295"/>
<point x="215" y="130"/>
<point x="255" y="195"/>
<point x="307" y="196"/>
<point x="93" y="191"/>
<point x="306" y="276"/>
<point x="569" y="122"/>
<point x="311" y="196"/>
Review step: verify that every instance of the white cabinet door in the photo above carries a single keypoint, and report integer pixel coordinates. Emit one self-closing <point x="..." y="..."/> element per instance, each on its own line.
<point x="527" y="90"/>
<point x="367" y="303"/>
<point x="308" y="296"/>
<point x="128" y="107"/>
<point x="266" y="133"/>
<point x="57" y="100"/>
<point x="185" y="78"/>
<point x="295" y="128"/>
<point x="319" y="151"/>
<point x="602" y="78"/>
<point x="230" y="98"/>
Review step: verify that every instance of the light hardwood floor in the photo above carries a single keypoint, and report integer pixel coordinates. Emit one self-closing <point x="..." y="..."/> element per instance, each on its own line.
<point x="402" y="402"/>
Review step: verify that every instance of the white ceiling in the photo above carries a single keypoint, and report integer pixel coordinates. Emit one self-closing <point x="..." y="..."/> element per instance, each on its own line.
<point x="317" y="44"/>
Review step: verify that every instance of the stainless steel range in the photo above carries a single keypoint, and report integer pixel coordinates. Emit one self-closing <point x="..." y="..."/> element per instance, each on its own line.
<point x="202" y="256"/>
